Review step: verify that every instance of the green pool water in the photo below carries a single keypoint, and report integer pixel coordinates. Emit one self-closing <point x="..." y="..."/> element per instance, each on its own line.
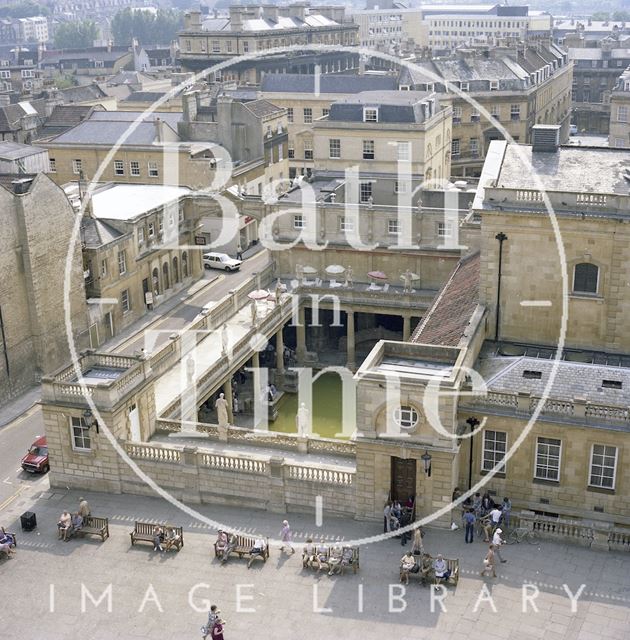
<point x="326" y="408"/>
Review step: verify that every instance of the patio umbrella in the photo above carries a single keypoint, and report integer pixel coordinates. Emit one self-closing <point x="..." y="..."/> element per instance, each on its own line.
<point x="259" y="294"/>
<point x="377" y="275"/>
<point x="309" y="271"/>
<point x="412" y="276"/>
<point x="335" y="269"/>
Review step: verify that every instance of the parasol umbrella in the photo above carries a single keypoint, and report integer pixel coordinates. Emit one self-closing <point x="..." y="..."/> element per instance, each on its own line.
<point x="335" y="269"/>
<point x="309" y="271"/>
<point x="258" y="294"/>
<point x="377" y="275"/>
<point x="410" y="275"/>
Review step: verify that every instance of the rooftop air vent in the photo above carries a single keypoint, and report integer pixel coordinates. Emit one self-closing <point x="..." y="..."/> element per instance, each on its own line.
<point x="612" y="384"/>
<point x="532" y="375"/>
<point x="545" y="137"/>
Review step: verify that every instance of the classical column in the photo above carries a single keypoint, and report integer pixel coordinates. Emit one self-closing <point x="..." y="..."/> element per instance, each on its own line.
<point x="279" y="352"/>
<point x="256" y="360"/>
<point x="227" y="389"/>
<point x="350" y="339"/>
<point x="406" y="328"/>
<point x="300" y="331"/>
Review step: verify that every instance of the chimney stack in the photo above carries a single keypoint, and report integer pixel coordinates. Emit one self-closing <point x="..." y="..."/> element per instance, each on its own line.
<point x="159" y="130"/>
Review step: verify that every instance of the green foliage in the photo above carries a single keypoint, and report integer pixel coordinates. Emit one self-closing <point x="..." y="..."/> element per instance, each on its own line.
<point x="24" y="9"/>
<point x="600" y="15"/>
<point x="147" y="27"/>
<point x="621" y="16"/>
<point x="76" y="35"/>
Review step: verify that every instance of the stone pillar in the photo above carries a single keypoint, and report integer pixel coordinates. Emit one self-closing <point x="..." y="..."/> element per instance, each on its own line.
<point x="276" y="502"/>
<point x="228" y="396"/>
<point x="256" y="360"/>
<point x="350" y="339"/>
<point x="406" y="328"/>
<point x="300" y="330"/>
<point x="190" y="475"/>
<point x="279" y="352"/>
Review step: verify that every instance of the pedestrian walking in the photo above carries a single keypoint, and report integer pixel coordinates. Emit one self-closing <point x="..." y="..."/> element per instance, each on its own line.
<point x="497" y="541"/>
<point x="489" y="562"/>
<point x="387" y="514"/>
<point x="285" y="536"/>
<point x="506" y="507"/>
<point x="469" y="523"/>
<point x="417" y="547"/>
<point x="239" y="252"/>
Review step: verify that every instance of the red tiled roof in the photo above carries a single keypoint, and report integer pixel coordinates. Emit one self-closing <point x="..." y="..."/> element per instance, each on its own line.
<point x="450" y="314"/>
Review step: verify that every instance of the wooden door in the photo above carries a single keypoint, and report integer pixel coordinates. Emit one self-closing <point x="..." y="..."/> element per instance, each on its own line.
<point x="403" y="479"/>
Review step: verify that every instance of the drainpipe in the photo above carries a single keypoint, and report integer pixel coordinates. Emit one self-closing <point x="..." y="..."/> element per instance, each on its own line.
<point x="473" y="423"/>
<point x="501" y="237"/>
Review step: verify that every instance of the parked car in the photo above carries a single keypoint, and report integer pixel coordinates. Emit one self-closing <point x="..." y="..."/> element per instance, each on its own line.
<point x="36" y="460"/>
<point x="573" y="130"/>
<point x="221" y="261"/>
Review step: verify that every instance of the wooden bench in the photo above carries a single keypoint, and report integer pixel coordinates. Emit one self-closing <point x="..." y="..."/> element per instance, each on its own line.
<point x="429" y="577"/>
<point x="143" y="532"/>
<point x="14" y="545"/>
<point x="93" y="526"/>
<point x="242" y="545"/>
<point x="333" y="558"/>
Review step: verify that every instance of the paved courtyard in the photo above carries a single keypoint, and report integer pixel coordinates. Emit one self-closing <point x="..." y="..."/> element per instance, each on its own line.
<point x="155" y="595"/>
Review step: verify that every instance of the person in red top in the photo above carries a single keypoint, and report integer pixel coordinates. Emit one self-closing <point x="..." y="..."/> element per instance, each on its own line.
<point x="217" y="631"/>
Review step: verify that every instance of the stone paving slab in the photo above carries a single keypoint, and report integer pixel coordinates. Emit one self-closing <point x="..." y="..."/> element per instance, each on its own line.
<point x="284" y="595"/>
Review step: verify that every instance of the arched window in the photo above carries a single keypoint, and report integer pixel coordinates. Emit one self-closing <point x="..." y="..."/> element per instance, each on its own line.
<point x="156" y="282"/>
<point x="165" y="279"/>
<point x="184" y="265"/>
<point x="175" y="270"/>
<point x="585" y="278"/>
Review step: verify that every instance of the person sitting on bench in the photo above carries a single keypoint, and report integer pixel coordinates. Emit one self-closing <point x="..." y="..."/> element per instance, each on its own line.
<point x="7" y="543"/>
<point x="322" y="554"/>
<point x="64" y="525"/>
<point x="76" y="524"/>
<point x="440" y="568"/>
<point x="308" y="554"/>
<point x="257" y="550"/>
<point x="171" y="538"/>
<point x="407" y="565"/>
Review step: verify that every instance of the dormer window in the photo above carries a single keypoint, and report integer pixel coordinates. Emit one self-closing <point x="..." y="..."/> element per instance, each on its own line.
<point x="370" y="114"/>
<point x="530" y="374"/>
<point x="612" y="384"/>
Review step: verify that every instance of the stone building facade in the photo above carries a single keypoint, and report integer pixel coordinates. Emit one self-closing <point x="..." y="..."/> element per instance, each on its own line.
<point x="247" y="30"/>
<point x="37" y="229"/>
<point x="619" y="134"/>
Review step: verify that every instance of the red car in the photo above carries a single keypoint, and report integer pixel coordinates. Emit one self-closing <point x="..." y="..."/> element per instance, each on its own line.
<point x="36" y="460"/>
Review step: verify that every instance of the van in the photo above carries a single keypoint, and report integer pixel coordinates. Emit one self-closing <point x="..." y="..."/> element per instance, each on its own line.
<point x="220" y="261"/>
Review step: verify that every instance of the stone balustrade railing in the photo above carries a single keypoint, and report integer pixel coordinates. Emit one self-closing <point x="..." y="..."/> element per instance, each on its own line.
<point x="576" y="409"/>
<point x="198" y="475"/>
<point x="593" y="534"/>
<point x="260" y="438"/>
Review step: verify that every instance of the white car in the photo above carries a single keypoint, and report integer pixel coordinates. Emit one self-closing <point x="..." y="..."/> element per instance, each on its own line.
<point x="573" y="130"/>
<point x="221" y="261"/>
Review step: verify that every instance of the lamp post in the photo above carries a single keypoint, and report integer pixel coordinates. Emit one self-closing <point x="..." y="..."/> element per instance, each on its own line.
<point x="473" y="423"/>
<point x="426" y="461"/>
<point x="501" y="237"/>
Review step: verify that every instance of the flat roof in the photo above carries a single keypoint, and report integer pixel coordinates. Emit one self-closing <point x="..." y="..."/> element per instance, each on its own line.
<point x="129" y="201"/>
<point x="571" y="168"/>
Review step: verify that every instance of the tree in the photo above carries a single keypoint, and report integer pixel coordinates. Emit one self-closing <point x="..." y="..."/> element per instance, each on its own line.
<point x="76" y="35"/>
<point x="24" y="9"/>
<point x="621" y="16"/>
<point x="600" y="16"/>
<point x="147" y="27"/>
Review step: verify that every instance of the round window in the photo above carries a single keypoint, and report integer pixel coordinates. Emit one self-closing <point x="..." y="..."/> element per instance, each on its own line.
<point x="406" y="417"/>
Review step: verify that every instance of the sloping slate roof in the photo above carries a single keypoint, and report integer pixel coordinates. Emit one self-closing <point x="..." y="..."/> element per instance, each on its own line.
<point x="450" y="314"/>
<point x="95" y="233"/>
<point x="144" y="96"/>
<point x="82" y="93"/>
<point x="68" y="115"/>
<point x="303" y="83"/>
<point x="55" y="57"/>
<point x="129" y="77"/>
<point x="262" y="108"/>
<point x="474" y="69"/>
<point x="11" y="114"/>
<point x="108" y="132"/>
<point x="14" y="150"/>
<point x="170" y="117"/>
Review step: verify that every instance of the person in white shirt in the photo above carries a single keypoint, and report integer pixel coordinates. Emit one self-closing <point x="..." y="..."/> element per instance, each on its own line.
<point x="258" y="550"/>
<point x="495" y="516"/>
<point x="497" y="541"/>
<point x="387" y="512"/>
